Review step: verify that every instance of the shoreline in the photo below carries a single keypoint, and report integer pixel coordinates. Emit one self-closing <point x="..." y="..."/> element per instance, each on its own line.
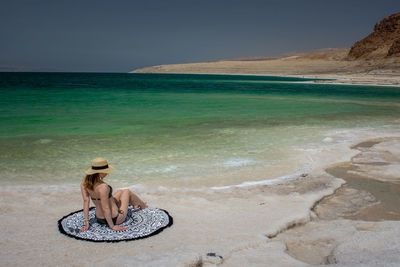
<point x="206" y="221"/>
<point x="332" y="64"/>
<point x="359" y="80"/>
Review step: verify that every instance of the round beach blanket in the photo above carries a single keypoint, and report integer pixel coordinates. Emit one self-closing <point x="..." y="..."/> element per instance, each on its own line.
<point x="139" y="224"/>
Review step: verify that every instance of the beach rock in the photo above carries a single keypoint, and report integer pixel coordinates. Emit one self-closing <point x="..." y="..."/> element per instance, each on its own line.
<point x="383" y="42"/>
<point x="212" y="259"/>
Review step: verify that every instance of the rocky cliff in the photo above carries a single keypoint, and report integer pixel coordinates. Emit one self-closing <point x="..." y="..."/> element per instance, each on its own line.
<point x="383" y="42"/>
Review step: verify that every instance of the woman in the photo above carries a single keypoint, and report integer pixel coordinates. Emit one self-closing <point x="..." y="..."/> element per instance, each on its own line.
<point x="111" y="208"/>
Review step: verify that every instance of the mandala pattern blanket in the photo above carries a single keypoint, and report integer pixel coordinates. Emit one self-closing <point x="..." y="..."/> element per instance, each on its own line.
<point x="139" y="224"/>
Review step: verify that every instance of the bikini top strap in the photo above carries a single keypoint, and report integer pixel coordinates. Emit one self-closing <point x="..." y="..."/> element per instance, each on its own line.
<point x="109" y="194"/>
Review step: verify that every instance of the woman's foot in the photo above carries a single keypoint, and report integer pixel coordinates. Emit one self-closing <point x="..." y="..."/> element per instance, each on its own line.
<point x="141" y="206"/>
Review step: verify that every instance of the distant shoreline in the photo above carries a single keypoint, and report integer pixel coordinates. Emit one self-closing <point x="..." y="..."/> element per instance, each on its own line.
<point x="319" y="79"/>
<point x="331" y="64"/>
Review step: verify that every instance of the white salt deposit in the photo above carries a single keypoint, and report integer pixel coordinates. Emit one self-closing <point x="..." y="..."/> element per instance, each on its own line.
<point x="238" y="162"/>
<point x="328" y="140"/>
<point x="274" y="181"/>
<point x="237" y="222"/>
<point x="203" y="222"/>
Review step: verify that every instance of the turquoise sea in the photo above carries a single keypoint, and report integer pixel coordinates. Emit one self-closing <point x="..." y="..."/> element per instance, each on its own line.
<point x="170" y="129"/>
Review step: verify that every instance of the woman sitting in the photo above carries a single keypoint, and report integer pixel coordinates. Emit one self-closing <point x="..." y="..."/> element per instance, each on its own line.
<point x="111" y="208"/>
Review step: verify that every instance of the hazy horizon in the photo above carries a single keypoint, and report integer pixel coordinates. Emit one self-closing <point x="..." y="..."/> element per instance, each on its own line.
<point x="100" y="36"/>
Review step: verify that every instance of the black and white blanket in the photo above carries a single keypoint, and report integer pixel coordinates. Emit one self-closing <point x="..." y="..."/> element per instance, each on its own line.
<point x="139" y="224"/>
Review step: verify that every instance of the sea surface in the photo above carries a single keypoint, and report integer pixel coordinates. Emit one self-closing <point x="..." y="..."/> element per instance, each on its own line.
<point x="176" y="129"/>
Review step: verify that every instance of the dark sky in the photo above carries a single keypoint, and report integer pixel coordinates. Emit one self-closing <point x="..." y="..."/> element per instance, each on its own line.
<point x="119" y="36"/>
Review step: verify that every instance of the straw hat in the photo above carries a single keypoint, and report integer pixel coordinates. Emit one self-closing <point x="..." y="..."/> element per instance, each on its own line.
<point x="100" y="165"/>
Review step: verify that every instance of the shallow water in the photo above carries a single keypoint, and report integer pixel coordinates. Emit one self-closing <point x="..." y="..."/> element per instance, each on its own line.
<point x="386" y="193"/>
<point x="176" y="130"/>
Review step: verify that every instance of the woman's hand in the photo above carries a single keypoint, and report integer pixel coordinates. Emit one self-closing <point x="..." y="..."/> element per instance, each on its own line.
<point x="84" y="228"/>
<point x="118" y="228"/>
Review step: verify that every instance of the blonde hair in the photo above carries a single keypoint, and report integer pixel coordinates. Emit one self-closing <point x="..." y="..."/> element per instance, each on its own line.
<point x="91" y="180"/>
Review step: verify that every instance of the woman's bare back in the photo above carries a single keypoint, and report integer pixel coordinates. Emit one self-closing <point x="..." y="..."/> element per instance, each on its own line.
<point x="102" y="189"/>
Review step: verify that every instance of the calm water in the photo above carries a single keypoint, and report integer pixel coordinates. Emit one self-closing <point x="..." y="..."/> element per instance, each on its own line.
<point x="173" y="129"/>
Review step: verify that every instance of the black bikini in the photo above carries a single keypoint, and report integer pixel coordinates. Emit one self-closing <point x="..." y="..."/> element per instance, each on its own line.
<point x="109" y="194"/>
<point x="104" y="221"/>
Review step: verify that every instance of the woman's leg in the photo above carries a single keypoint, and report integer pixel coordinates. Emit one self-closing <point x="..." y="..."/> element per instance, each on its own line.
<point x="125" y="198"/>
<point x="135" y="201"/>
<point x="117" y="194"/>
<point x="122" y="203"/>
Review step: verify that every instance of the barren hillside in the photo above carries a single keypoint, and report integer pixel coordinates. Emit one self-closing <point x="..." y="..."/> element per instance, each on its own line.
<point x="373" y="60"/>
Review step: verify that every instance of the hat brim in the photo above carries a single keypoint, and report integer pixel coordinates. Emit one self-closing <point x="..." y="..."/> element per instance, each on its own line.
<point x="110" y="169"/>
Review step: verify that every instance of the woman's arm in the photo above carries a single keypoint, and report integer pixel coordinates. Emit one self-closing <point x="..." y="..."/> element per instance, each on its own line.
<point x="86" y="203"/>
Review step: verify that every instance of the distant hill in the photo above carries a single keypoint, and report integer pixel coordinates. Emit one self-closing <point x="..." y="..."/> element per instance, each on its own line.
<point x="383" y="42"/>
<point x="310" y="53"/>
<point x="372" y="60"/>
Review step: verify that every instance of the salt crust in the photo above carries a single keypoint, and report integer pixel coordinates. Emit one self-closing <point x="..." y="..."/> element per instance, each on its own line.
<point x="241" y="224"/>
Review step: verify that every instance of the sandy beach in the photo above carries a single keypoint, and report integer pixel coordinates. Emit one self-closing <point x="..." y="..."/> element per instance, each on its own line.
<point x="295" y="220"/>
